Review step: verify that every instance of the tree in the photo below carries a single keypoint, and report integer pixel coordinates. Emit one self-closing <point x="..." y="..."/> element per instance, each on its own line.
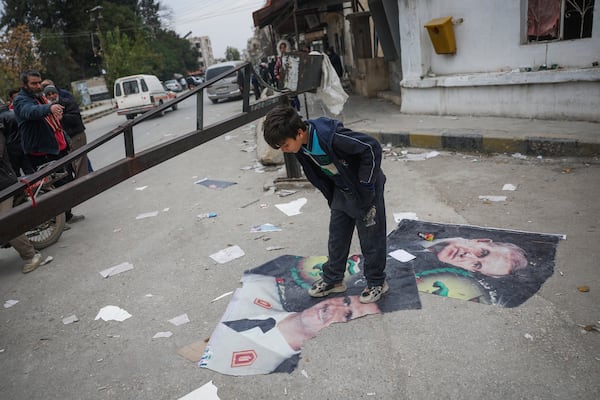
<point x="17" y="53"/>
<point x="125" y="56"/>
<point x="232" y="54"/>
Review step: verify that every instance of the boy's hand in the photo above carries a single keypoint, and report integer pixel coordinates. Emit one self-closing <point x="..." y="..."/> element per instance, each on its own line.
<point x="367" y="194"/>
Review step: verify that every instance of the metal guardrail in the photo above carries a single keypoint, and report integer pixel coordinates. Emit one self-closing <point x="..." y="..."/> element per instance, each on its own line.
<point x="23" y="217"/>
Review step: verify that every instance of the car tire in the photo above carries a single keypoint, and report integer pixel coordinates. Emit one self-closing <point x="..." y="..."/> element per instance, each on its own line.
<point x="130" y="116"/>
<point x="215" y="101"/>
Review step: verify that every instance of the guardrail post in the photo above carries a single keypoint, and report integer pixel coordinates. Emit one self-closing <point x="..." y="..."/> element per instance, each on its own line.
<point x="128" y="136"/>
<point x="247" y="73"/>
<point x="200" y="110"/>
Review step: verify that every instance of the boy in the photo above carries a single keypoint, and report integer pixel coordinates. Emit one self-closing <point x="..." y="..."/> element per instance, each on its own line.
<point x="346" y="167"/>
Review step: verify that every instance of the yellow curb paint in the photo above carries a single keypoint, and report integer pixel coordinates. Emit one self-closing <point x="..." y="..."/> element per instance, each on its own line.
<point x="427" y="140"/>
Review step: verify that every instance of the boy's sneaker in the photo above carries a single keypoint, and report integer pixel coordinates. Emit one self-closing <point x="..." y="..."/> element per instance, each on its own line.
<point x="32" y="264"/>
<point x="321" y="288"/>
<point x="374" y="293"/>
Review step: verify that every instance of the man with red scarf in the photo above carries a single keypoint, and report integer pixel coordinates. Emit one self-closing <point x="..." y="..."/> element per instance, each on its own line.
<point x="42" y="136"/>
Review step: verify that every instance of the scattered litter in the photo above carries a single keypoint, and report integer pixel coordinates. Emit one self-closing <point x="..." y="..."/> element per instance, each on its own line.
<point x="264" y="205"/>
<point x="180" y="320"/>
<point x="561" y="273"/>
<point x="589" y="328"/>
<point x="249" y="149"/>
<point x="116" y="230"/>
<point x="147" y="215"/>
<point x="528" y="336"/>
<point x="70" y="319"/>
<point x="166" y="209"/>
<point x="509" y="186"/>
<point x="371" y="394"/>
<point x="193" y="351"/>
<point x="426" y="236"/>
<point x="567" y="170"/>
<point x="249" y="204"/>
<point x="583" y="289"/>
<point x="208" y="391"/>
<point x="227" y="254"/>
<point x="540" y="157"/>
<point x="2" y="350"/>
<point x="402" y="255"/>
<point x="112" y="313"/>
<point x="141" y="188"/>
<point x="149" y="295"/>
<point x="48" y="260"/>
<point x="220" y="297"/>
<point x="492" y="198"/>
<point x="519" y="156"/>
<point x="229" y="137"/>
<point x="293" y="207"/>
<point x="405" y="215"/>
<point x="286" y="192"/>
<point x="304" y="373"/>
<point x="207" y="215"/>
<point x="117" y="269"/>
<point x="265" y="228"/>
<point x="272" y="248"/>
<point x="166" y="334"/>
<point x="214" y="184"/>
<point x="422" y="156"/>
<point x="10" y="303"/>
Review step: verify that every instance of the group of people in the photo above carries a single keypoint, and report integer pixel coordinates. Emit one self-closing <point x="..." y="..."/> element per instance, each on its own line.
<point x="42" y="123"/>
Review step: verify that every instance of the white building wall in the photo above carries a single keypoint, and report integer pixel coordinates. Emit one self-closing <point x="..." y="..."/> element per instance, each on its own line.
<point x="490" y="51"/>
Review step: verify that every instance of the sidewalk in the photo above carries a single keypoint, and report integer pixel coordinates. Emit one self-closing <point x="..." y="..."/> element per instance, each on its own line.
<point x="97" y="110"/>
<point x="383" y="119"/>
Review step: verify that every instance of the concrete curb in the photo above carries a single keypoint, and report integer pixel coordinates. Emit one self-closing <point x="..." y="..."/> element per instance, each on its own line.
<point x="99" y="114"/>
<point x="454" y="140"/>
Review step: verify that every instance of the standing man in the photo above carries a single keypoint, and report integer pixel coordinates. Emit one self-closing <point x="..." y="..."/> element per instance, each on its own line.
<point x="346" y="167"/>
<point x="21" y="244"/>
<point x="73" y="125"/>
<point x="42" y="135"/>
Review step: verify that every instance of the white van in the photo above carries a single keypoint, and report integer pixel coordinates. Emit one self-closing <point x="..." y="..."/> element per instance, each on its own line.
<point x="137" y="94"/>
<point x="226" y="88"/>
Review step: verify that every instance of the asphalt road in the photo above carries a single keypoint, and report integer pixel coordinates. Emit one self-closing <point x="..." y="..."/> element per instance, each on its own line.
<point x="450" y="349"/>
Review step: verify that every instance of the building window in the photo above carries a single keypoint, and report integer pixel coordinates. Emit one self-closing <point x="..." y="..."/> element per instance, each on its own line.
<point x="552" y="20"/>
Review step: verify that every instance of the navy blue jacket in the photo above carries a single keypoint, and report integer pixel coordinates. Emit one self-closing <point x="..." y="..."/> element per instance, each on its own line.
<point x="36" y="135"/>
<point x="357" y="157"/>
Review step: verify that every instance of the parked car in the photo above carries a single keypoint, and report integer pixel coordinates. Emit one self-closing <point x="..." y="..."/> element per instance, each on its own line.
<point x="226" y="88"/>
<point x="193" y="81"/>
<point x="173" y="85"/>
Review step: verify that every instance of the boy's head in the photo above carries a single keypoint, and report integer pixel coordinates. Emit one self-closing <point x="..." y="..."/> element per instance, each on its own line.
<point x="284" y="129"/>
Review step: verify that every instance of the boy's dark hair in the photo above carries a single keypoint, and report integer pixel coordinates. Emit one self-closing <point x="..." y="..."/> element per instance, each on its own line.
<point x="26" y="74"/>
<point x="280" y="124"/>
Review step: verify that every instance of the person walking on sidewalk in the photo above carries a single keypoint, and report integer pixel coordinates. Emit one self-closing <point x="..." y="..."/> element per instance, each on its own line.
<point x="21" y="243"/>
<point x="346" y="167"/>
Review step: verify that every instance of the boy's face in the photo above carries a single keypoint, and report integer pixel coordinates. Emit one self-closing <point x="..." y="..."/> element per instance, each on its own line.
<point x="294" y="145"/>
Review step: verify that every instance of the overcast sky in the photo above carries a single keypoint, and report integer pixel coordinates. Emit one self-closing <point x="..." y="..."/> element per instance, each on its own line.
<point x="226" y="22"/>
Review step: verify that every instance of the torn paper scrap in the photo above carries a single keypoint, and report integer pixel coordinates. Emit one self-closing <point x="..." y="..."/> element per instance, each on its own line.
<point x="10" y="303"/>
<point x="293" y="207"/>
<point x="117" y="269"/>
<point x="141" y="188"/>
<point x="402" y="255"/>
<point x="112" y="313"/>
<point x="509" y="186"/>
<point x="422" y="156"/>
<point x="265" y="228"/>
<point x="208" y="391"/>
<point x="147" y="215"/>
<point x="492" y="198"/>
<point x="166" y="334"/>
<point x="214" y="184"/>
<point x="272" y="248"/>
<point x="220" y="297"/>
<point x="405" y="215"/>
<point x="180" y="320"/>
<point x="48" y="260"/>
<point x="227" y="254"/>
<point x="70" y="319"/>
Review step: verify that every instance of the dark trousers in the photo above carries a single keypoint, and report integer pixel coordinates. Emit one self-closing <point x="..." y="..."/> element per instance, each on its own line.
<point x="345" y="216"/>
<point x="36" y="161"/>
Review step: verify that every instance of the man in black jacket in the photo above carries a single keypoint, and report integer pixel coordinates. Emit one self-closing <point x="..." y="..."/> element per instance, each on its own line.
<point x="18" y="159"/>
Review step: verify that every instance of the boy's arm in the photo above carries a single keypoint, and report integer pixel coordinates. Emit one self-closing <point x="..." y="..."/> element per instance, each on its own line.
<point x="366" y="148"/>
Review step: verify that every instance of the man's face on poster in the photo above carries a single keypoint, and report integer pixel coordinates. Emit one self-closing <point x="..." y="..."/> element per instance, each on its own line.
<point x="336" y="309"/>
<point x="478" y="255"/>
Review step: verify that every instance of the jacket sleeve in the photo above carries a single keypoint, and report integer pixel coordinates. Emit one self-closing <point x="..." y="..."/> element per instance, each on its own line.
<point x="368" y="150"/>
<point x="71" y="117"/>
<point x="30" y="110"/>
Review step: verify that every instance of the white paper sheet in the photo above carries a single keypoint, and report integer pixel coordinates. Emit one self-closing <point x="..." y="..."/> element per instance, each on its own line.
<point x="10" y="303"/>
<point x="112" y="313"/>
<point x="166" y="334"/>
<point x="492" y="198"/>
<point x="509" y="186"/>
<point x="402" y="255"/>
<point x="180" y="320"/>
<point x="227" y="254"/>
<point x="70" y="319"/>
<point x="207" y="391"/>
<point x="117" y="269"/>
<point x="292" y="208"/>
<point x="147" y="215"/>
